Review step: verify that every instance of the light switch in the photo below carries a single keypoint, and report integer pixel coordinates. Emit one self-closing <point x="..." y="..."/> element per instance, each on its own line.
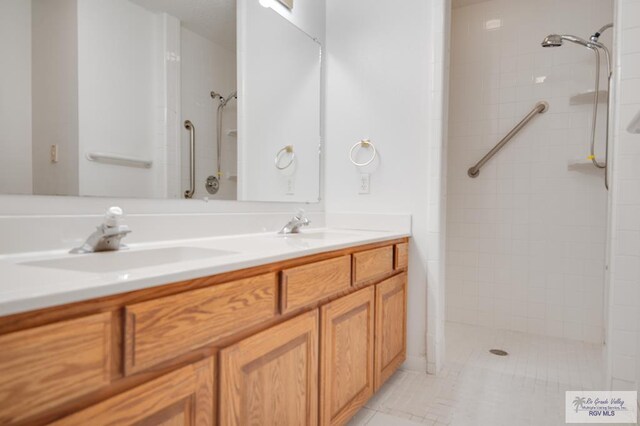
<point x="364" y="187"/>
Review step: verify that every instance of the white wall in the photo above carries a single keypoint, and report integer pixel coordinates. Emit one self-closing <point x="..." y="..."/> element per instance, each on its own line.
<point x="381" y="61"/>
<point x="205" y="67"/>
<point x="437" y="184"/>
<point x="526" y="239"/>
<point x="55" y="96"/>
<point x="279" y="105"/>
<point x="15" y="102"/>
<point x="168" y="109"/>
<point x="623" y="349"/>
<point x="118" y="46"/>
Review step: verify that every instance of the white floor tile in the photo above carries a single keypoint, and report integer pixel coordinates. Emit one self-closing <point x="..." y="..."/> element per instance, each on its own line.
<point x="477" y="388"/>
<point x="382" y="419"/>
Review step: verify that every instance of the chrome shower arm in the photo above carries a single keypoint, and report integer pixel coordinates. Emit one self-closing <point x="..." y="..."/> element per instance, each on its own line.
<point x="598" y="33"/>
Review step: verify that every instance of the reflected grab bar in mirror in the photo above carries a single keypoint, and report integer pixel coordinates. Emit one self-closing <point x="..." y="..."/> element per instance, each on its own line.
<point x="192" y="159"/>
<point x="119" y="160"/>
<point x="540" y="108"/>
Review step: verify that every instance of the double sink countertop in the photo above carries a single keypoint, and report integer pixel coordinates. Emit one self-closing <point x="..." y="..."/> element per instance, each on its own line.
<point x="39" y="280"/>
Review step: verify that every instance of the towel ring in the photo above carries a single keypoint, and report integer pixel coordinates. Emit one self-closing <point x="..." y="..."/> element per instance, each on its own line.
<point x="286" y="149"/>
<point x="364" y="143"/>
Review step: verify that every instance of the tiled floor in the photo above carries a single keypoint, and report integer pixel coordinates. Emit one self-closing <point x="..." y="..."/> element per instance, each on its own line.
<point x="477" y="388"/>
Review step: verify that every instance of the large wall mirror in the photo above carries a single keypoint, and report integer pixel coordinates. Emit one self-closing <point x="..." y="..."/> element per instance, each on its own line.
<point x="158" y="99"/>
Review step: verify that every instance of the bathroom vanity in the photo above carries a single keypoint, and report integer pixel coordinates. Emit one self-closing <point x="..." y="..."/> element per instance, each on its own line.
<point x="304" y="340"/>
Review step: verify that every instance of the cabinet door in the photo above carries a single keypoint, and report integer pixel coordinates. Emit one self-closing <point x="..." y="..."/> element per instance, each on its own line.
<point x="391" y="327"/>
<point x="182" y="397"/>
<point x="271" y="378"/>
<point x="347" y="356"/>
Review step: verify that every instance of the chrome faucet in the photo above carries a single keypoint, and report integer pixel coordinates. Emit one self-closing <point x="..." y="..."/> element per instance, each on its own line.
<point x="107" y="236"/>
<point x="295" y="223"/>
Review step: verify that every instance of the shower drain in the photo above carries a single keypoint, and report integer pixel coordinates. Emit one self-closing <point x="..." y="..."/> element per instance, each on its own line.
<point x="499" y="352"/>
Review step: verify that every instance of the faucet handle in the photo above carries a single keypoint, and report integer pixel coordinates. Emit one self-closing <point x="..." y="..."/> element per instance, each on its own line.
<point x="302" y="216"/>
<point x="113" y="216"/>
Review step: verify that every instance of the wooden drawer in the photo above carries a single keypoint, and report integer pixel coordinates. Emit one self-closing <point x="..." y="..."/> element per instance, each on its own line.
<point x="162" y="329"/>
<point x="401" y="258"/>
<point x="372" y="264"/>
<point x="182" y="397"/>
<point x="46" y="366"/>
<point x="306" y="284"/>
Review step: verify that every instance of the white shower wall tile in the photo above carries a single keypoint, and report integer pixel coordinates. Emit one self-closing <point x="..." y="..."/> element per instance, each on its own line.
<point x="526" y="239"/>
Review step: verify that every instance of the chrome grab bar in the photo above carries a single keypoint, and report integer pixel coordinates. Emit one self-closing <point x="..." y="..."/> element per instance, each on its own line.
<point x="192" y="154"/>
<point x="540" y="108"/>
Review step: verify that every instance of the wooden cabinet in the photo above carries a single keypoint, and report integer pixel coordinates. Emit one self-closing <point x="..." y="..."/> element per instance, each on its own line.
<point x="164" y="328"/>
<point x="46" y="366"/>
<point x="299" y="342"/>
<point x="271" y="378"/>
<point x="391" y="327"/>
<point x="371" y="264"/>
<point x="347" y="342"/>
<point x="183" y="397"/>
<point x="306" y="284"/>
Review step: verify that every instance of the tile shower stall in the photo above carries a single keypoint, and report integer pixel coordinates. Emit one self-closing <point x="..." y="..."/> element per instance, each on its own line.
<point x="526" y="240"/>
<point x="536" y="244"/>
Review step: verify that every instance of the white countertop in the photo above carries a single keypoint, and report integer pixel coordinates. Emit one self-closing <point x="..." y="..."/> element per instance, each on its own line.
<point x="25" y="287"/>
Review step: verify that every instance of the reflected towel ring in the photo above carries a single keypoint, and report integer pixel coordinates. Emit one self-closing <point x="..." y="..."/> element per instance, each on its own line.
<point x="364" y="143"/>
<point x="286" y="149"/>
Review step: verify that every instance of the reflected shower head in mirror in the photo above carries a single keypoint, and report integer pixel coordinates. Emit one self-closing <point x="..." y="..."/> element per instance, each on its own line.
<point x="556" y="40"/>
<point x="233" y="95"/>
<point x="222" y="99"/>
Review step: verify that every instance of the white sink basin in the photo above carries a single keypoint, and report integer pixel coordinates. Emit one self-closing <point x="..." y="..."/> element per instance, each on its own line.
<point x="117" y="261"/>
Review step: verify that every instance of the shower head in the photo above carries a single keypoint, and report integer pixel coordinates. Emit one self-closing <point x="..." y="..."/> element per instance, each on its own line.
<point x="552" y="40"/>
<point x="556" y="40"/>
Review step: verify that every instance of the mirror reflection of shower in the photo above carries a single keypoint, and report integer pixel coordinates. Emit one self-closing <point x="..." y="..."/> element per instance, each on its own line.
<point x="213" y="182"/>
<point x="557" y="40"/>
